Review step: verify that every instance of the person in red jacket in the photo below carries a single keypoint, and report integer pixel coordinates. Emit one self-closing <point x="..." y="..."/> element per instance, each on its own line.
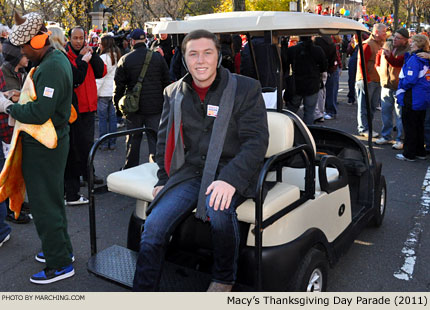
<point x="86" y="93"/>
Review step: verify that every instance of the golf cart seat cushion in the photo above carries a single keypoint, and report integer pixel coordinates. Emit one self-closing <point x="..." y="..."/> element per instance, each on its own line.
<point x="137" y="182"/>
<point x="280" y="196"/>
<point x="281" y="133"/>
<point x="296" y="176"/>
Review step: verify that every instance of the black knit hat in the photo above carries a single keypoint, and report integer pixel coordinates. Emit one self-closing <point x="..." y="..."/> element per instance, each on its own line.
<point x="403" y="32"/>
<point x="11" y="53"/>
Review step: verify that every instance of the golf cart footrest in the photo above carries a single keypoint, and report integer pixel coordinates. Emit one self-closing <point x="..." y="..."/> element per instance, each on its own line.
<point x="118" y="264"/>
<point x="115" y="263"/>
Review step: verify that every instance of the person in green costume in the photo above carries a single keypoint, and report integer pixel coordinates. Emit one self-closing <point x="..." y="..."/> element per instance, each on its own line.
<point x="43" y="168"/>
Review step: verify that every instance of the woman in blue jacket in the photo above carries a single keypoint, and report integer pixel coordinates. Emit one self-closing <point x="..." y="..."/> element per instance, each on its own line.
<point x="413" y="95"/>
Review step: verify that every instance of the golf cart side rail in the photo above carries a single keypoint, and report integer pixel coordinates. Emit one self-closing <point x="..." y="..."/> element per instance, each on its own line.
<point x="90" y="175"/>
<point x="306" y="153"/>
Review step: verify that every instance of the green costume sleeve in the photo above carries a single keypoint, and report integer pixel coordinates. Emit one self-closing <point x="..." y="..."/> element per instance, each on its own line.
<point x="48" y="87"/>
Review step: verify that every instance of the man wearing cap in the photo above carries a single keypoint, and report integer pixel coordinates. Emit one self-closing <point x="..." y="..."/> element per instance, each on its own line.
<point x="151" y="95"/>
<point x="43" y="168"/>
<point x="395" y="47"/>
<point x="86" y="94"/>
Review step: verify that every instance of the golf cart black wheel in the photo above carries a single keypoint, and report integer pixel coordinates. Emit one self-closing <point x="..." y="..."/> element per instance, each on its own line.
<point x="380" y="203"/>
<point x="312" y="273"/>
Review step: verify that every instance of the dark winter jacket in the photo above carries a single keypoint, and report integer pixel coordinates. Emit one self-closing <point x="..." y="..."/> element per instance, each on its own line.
<point x="166" y="46"/>
<point x="156" y="79"/>
<point x="329" y="48"/>
<point x="266" y="62"/>
<point x="13" y="80"/>
<point x="307" y="62"/>
<point x="177" y="69"/>
<point x="245" y="143"/>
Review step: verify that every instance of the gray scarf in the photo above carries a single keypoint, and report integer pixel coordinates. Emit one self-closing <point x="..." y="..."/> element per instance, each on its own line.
<point x="216" y="142"/>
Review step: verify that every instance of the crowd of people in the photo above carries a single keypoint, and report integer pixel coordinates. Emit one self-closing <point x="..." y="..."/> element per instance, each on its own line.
<point x="398" y="80"/>
<point x="94" y="75"/>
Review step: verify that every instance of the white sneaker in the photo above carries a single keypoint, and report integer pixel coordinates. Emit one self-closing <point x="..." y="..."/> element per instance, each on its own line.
<point x="401" y="157"/>
<point x="398" y="145"/>
<point x="5" y="239"/>
<point x="382" y="140"/>
<point x="366" y="134"/>
<point x="81" y="201"/>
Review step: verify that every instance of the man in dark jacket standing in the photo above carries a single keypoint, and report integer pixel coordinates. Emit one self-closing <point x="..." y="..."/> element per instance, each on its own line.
<point x="151" y="96"/>
<point x="86" y="93"/>
<point x="307" y="62"/>
<point x="163" y="45"/>
<point x="211" y="144"/>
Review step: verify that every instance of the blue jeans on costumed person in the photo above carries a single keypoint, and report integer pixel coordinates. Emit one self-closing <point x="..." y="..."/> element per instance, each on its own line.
<point x="107" y="119"/>
<point x="174" y="207"/>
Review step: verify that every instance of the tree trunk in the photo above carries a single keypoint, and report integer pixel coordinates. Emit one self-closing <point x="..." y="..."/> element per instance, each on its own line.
<point x="239" y="5"/>
<point x="396" y="14"/>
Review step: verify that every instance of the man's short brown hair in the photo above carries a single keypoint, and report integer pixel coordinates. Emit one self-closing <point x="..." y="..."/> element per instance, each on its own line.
<point x="199" y="34"/>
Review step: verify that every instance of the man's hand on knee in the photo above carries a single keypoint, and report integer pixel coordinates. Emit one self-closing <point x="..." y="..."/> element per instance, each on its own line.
<point x="156" y="190"/>
<point x="222" y="193"/>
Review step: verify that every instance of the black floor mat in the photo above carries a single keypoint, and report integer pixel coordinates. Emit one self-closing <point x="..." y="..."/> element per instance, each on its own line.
<point x="118" y="264"/>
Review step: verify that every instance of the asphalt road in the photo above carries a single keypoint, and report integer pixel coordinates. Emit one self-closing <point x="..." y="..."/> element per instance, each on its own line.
<point x="369" y="265"/>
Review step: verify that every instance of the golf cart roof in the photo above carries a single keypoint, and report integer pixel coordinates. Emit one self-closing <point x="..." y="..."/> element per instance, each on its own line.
<point x="256" y="22"/>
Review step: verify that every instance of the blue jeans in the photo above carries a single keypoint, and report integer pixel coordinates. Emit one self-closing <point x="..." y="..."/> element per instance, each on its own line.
<point x="174" y="207"/>
<point x="107" y="118"/>
<point x="4" y="227"/>
<point x="332" y="87"/>
<point x="374" y="97"/>
<point x="388" y="104"/>
<point x="309" y="104"/>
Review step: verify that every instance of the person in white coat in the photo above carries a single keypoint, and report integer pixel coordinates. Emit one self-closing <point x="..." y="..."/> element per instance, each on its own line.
<point x="110" y="54"/>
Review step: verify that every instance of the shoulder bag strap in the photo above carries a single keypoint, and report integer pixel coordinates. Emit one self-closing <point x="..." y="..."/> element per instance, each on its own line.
<point x="145" y="66"/>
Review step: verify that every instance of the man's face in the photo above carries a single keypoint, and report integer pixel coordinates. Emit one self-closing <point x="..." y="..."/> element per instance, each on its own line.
<point x="163" y="36"/>
<point x="201" y="57"/>
<point x="381" y="34"/>
<point x="28" y="52"/>
<point x="77" y="39"/>
<point x="399" y="40"/>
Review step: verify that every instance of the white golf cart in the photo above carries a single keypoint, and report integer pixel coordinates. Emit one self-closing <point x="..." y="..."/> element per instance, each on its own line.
<point x="325" y="187"/>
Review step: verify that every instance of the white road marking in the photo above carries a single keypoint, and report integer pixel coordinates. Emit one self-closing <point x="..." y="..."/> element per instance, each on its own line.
<point x="408" y="251"/>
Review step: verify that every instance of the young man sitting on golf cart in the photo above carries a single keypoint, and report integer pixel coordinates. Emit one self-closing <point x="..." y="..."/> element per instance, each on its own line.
<point x="212" y="139"/>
